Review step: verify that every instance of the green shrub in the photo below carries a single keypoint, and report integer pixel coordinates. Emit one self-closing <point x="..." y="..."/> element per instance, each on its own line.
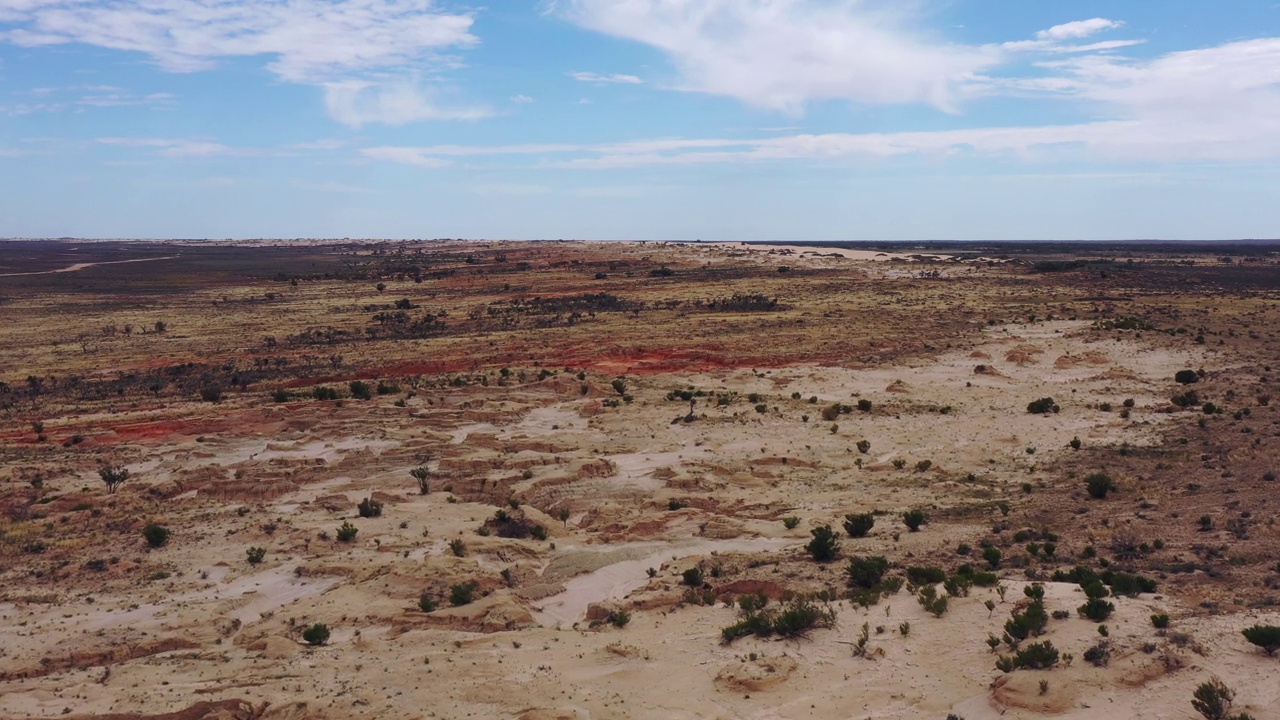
<point x="423" y="475"/>
<point x="1098" y="485"/>
<point x="1096" y="609"/>
<point x="920" y="576"/>
<point x="798" y="617"/>
<point x="320" y="392"/>
<point x="1266" y="637"/>
<point x="864" y="446"/>
<point x="156" y="535"/>
<point x="347" y="532"/>
<point x="859" y="525"/>
<point x="931" y="601"/>
<point x="993" y="556"/>
<point x="825" y="545"/>
<point x="1043" y="406"/>
<point x="360" y="390"/>
<point x="864" y="405"/>
<point x="317" y="634"/>
<point x="1186" y="377"/>
<point x="1036" y="656"/>
<point x="1030" y="622"/>
<point x="369" y="508"/>
<point x="463" y="593"/>
<point x="1160" y="621"/>
<point x="692" y="577"/>
<point x="1213" y="700"/>
<point x="619" y="618"/>
<point x="867" y="572"/>
<point x="790" y="523"/>
<point x="914" y="519"/>
<point x="256" y="554"/>
<point x="427" y="603"/>
<point x="538" y="532"/>
<point x="211" y="393"/>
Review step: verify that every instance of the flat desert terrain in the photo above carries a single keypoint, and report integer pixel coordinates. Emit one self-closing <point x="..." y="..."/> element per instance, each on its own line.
<point x="564" y="480"/>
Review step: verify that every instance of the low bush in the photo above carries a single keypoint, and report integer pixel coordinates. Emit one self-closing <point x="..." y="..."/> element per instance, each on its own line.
<point x="317" y="634"/>
<point x="463" y="593"/>
<point x="256" y="554"/>
<point x="867" y="572"/>
<point x="825" y="545"/>
<point x="1096" y="609"/>
<point x="369" y="508"/>
<point x="1266" y="637"/>
<point x="156" y="535"/>
<point x="913" y="519"/>
<point x="859" y="525"/>
<point x="347" y="532"/>
<point x="1099" y="485"/>
<point x="1043" y="406"/>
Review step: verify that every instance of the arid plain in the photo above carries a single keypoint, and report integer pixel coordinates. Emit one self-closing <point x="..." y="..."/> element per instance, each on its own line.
<point x="559" y="480"/>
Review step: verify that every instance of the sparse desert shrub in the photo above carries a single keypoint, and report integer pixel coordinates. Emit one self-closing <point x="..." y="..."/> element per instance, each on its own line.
<point x="864" y="405"/>
<point x="320" y="392"/>
<point x="1075" y="443"/>
<point x="1043" y="406"/>
<point x="692" y="577"/>
<point x="914" y="518"/>
<point x="156" y="535"/>
<point x="347" y="532"/>
<point x="619" y="386"/>
<point x="427" y="603"/>
<point x="921" y="576"/>
<point x="993" y="556"/>
<point x="825" y="545"/>
<point x="1096" y="609"/>
<point x="463" y="593"/>
<point x="676" y="504"/>
<point x="369" y="508"/>
<point x="538" y="532"/>
<point x="360" y="390"/>
<point x="931" y="601"/>
<point x="858" y="525"/>
<point x="799" y="616"/>
<point x="114" y="476"/>
<point x="281" y="395"/>
<point x="1030" y="622"/>
<point x="211" y="393"/>
<point x="1186" y="377"/>
<point x="1266" y="637"/>
<point x="317" y="634"/>
<point x="1036" y="656"/>
<point x="619" y="618"/>
<point x="790" y="523"/>
<point x="864" y="446"/>
<point x="423" y="476"/>
<point x="1213" y="700"/>
<point x="256" y="554"/>
<point x="867" y="572"/>
<point x="899" y="463"/>
<point x="1099" y="485"/>
<point x="1098" y="655"/>
<point x="1160" y="621"/>
<point x="924" y="465"/>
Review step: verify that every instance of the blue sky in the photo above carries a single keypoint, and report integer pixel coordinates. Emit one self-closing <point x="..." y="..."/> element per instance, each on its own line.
<point x="641" y="119"/>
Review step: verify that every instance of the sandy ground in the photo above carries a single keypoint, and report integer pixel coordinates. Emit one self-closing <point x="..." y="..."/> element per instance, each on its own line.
<point x="645" y="495"/>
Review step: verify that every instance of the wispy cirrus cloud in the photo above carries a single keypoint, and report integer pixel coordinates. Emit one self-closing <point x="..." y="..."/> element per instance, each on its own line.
<point x="367" y="55"/>
<point x="179" y="148"/>
<point x="602" y="79"/>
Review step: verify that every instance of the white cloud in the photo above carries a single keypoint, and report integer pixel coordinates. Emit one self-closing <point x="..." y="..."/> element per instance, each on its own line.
<point x="357" y="103"/>
<point x="178" y="148"/>
<point x="405" y="156"/>
<point x="782" y="54"/>
<point x="1078" y="29"/>
<point x="330" y="44"/>
<point x="599" y="79"/>
<point x="522" y="99"/>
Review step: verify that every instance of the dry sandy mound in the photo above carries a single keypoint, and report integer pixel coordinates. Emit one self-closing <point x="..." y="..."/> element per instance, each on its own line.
<point x="897" y="386"/>
<point x="979" y="355"/>
<point x="498" y="612"/>
<point x="760" y="675"/>
<point x="1116" y="374"/>
<point x="1090" y="358"/>
<point x="1022" y="690"/>
<point x="1023" y="355"/>
<point x="543" y="714"/>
